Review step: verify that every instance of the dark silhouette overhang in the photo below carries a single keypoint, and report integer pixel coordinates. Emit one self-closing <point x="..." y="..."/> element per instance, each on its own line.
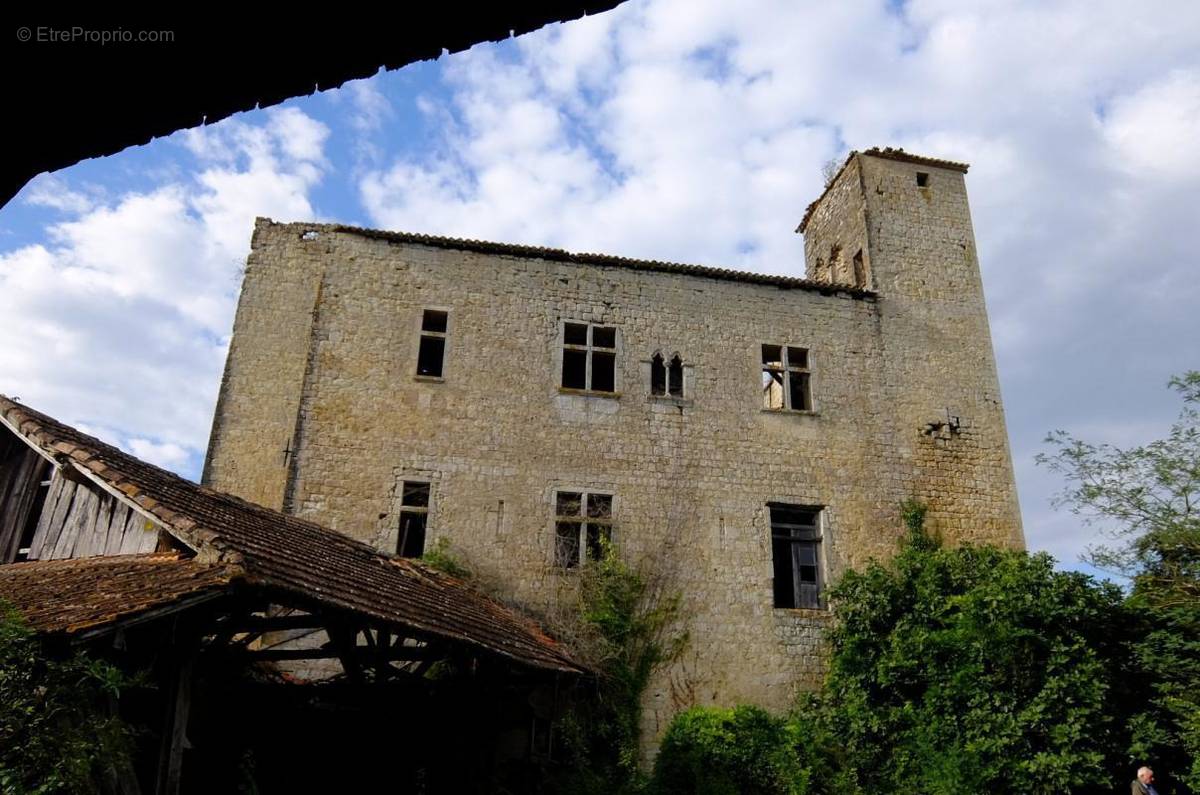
<point x="71" y="98"/>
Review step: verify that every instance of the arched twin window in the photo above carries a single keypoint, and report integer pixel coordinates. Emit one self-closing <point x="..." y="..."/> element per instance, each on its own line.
<point x="666" y="378"/>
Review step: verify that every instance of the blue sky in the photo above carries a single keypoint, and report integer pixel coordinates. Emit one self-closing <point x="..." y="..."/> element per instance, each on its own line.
<point x="689" y="131"/>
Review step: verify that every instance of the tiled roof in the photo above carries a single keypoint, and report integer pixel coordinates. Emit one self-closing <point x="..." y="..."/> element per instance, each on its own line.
<point x="887" y="153"/>
<point x="78" y="595"/>
<point x="282" y="552"/>
<point x="560" y="255"/>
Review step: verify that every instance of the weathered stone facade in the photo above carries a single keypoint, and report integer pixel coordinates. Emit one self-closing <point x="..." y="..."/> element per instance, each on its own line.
<point x="321" y="412"/>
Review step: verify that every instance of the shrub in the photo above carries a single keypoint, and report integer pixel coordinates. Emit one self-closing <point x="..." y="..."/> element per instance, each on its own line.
<point x="726" y="752"/>
<point x="976" y="670"/>
<point x="57" y="731"/>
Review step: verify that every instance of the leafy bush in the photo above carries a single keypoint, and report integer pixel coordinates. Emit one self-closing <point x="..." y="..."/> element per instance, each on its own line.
<point x="973" y="670"/>
<point x="743" y="750"/>
<point x="57" y="733"/>
<point x="624" y="625"/>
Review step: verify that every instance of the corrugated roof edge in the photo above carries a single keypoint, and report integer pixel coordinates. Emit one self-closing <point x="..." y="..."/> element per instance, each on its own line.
<point x="887" y="153"/>
<point x="610" y="260"/>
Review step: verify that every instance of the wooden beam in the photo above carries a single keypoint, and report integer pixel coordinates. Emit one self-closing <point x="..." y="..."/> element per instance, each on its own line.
<point x="360" y="654"/>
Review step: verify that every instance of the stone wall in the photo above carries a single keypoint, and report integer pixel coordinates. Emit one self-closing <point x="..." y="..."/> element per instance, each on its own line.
<point x="323" y="364"/>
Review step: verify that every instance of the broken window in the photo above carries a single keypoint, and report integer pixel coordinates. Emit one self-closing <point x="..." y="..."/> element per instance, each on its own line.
<point x="414" y="515"/>
<point x="785" y="378"/>
<point x="666" y="379"/>
<point x="796" y="555"/>
<point x="589" y="357"/>
<point x="581" y="519"/>
<point x="432" y="352"/>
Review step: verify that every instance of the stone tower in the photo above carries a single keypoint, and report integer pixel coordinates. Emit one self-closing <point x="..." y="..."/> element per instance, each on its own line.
<point x="899" y="225"/>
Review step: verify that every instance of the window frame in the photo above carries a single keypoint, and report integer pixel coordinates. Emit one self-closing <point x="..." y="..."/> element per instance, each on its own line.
<point x="786" y="369"/>
<point x="423" y="334"/>
<point x="589" y="349"/>
<point x="797" y="537"/>
<point x="581" y="556"/>
<point x="404" y="510"/>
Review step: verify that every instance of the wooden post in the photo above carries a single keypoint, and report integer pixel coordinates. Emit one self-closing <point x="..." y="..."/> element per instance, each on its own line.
<point x="179" y="697"/>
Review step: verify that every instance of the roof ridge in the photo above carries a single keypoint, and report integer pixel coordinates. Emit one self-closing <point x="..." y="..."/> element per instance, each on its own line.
<point x="586" y="258"/>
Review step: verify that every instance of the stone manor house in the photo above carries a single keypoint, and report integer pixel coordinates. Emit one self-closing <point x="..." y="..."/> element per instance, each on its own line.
<point x="748" y="437"/>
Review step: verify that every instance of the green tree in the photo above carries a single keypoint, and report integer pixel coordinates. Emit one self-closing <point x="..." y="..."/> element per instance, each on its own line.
<point x="968" y="670"/>
<point x="1147" y="500"/>
<point x="57" y="731"/>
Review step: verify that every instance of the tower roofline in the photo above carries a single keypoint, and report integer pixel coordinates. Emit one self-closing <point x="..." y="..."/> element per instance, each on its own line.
<point x="887" y="153"/>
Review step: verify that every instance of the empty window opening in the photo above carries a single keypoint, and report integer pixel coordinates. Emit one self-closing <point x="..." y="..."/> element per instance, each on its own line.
<point x="675" y="377"/>
<point x="589" y="357"/>
<point x="432" y="352"/>
<point x="860" y="270"/>
<point x="786" y="378"/>
<point x="581" y="520"/>
<point x="658" y="375"/>
<point x="414" y="515"/>
<point x="922" y="179"/>
<point x="835" y="263"/>
<point x="796" y="555"/>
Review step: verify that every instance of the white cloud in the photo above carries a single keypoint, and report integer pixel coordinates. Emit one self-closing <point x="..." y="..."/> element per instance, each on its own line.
<point x="123" y="312"/>
<point x="167" y="456"/>
<point x="48" y="191"/>
<point x="1155" y="130"/>
<point x="371" y="106"/>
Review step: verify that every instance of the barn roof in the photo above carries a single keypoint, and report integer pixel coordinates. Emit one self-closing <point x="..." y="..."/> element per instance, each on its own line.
<point x="82" y="596"/>
<point x="258" y="546"/>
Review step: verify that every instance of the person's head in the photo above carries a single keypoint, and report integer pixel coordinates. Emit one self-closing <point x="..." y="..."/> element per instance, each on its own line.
<point x="1145" y="775"/>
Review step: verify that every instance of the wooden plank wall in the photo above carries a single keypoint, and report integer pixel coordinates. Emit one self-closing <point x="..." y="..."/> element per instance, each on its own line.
<point x="21" y="471"/>
<point x="79" y="520"/>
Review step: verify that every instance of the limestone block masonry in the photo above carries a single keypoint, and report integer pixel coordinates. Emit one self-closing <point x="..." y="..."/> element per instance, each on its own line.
<point x="321" y="412"/>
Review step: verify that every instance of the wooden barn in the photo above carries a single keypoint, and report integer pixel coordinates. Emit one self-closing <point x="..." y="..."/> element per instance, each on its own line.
<point x="221" y="602"/>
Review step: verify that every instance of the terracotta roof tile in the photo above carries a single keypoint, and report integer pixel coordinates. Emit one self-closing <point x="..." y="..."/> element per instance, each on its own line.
<point x="78" y="595"/>
<point x="302" y="558"/>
